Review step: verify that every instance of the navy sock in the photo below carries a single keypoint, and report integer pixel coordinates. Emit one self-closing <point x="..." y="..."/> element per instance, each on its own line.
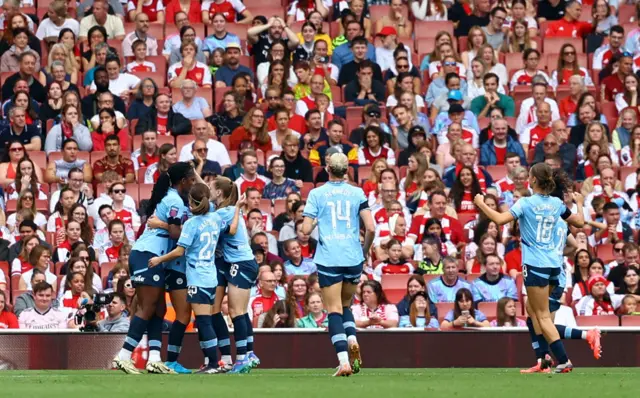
<point x="220" y="327"/>
<point x="249" y="333"/>
<point x="569" y="333"/>
<point x="557" y="347"/>
<point x="544" y="345"/>
<point x="348" y="322"/>
<point x="154" y="332"/>
<point x="175" y="340"/>
<point x="535" y="344"/>
<point x="207" y="337"/>
<point x="337" y="333"/>
<point x="136" y="329"/>
<point x="240" y="335"/>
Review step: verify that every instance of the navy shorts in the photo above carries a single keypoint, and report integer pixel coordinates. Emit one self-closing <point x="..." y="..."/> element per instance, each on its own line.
<point x="141" y="274"/>
<point x="201" y="295"/>
<point x="328" y="276"/>
<point x="540" y="277"/>
<point x="242" y="274"/>
<point x="174" y="280"/>
<point x="554" y="298"/>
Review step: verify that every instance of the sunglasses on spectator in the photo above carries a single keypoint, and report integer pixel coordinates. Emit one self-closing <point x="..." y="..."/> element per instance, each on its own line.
<point x="20" y="149"/>
<point x="202" y="150"/>
<point x="449" y="63"/>
<point x="403" y="66"/>
<point x="123" y="190"/>
<point x="618" y="249"/>
<point x="85" y="258"/>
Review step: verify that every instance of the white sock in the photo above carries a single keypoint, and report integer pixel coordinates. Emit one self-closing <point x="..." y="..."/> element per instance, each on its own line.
<point x="343" y="357"/>
<point x="227" y="359"/>
<point x="351" y="340"/>
<point x="154" y="356"/>
<point x="240" y="358"/>
<point x="584" y="335"/>
<point x="206" y="361"/>
<point x="124" y="355"/>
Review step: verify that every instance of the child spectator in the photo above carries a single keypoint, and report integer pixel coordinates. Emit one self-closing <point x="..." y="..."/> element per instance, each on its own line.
<point x="463" y="313"/>
<point x="507" y="314"/>
<point x="629" y="305"/>
<point x="395" y="264"/>
<point x="419" y="314"/>
<point x="140" y="63"/>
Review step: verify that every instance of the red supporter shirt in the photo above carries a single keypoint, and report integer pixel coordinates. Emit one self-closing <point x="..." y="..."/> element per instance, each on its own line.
<point x="566" y="74"/>
<point x="450" y="227"/>
<point x="514" y="260"/>
<point x="296" y="123"/>
<point x="8" y="320"/>
<point x="567" y="106"/>
<point x="162" y="126"/>
<point x="194" y="14"/>
<point x="98" y="140"/>
<point x="151" y="10"/>
<point x="501" y="153"/>
<point x="466" y="205"/>
<point x="259" y="183"/>
<point x="124" y="216"/>
<point x="564" y="28"/>
<point x="150" y="160"/>
<point x="140" y="68"/>
<point x="262" y="304"/>
<point x="241" y="134"/>
<point x="123" y="167"/>
<point x="113" y="253"/>
<point x="612" y="86"/>
<point x="197" y="74"/>
<point x="395" y="269"/>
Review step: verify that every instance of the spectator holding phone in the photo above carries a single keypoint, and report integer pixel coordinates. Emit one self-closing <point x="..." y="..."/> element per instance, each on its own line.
<point x="375" y="311"/>
<point x="463" y="313"/>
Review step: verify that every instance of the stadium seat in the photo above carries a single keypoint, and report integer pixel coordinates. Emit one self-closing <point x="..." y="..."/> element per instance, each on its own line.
<point x="268" y="11"/>
<point x="428" y="278"/>
<point x="443" y="309"/>
<point x="157" y="76"/>
<point x="279" y="206"/>
<point x="183" y="140"/>
<point x="364" y="173"/>
<point x="141" y="172"/>
<point x="395" y="286"/>
<point x="598" y="320"/>
<point x="15" y="293"/>
<point x="472" y="277"/>
<point x="554" y="44"/>
<point x="625" y="171"/>
<point x="306" y="188"/>
<point x="497" y="172"/>
<point x="237" y="29"/>
<point x="626" y="14"/>
<point x="145" y="191"/>
<point x="429" y="29"/>
<point x="489" y="309"/>
<point x="265" y="205"/>
<point x="605" y="252"/>
<point x="464" y="218"/>
<point x="630" y="320"/>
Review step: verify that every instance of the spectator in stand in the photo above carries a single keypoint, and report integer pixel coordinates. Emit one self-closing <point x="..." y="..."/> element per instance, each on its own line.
<point x="96" y="55"/>
<point x="17" y="130"/>
<point x="375" y="311"/>
<point x="20" y="264"/>
<point x="616" y="229"/>
<point x="9" y="60"/>
<point x="58" y="19"/>
<point x="70" y="127"/>
<point x="61" y="56"/>
<point x="106" y="121"/>
<point x="630" y="285"/>
<point x="116" y="320"/>
<point x="464" y="189"/>
<point x="536" y="131"/>
<point x="226" y="73"/>
<point x="201" y="164"/>
<point x="518" y="39"/>
<point x="216" y="151"/>
<point x="529" y="107"/>
<point x="111" y="25"/>
<point x="493" y="285"/>
<point x="191" y="106"/>
<point x="114" y="161"/>
<point x="525" y="76"/>
<point x="231" y="117"/>
<point x="91" y="282"/>
<point x="282" y="129"/>
<point x="279" y="186"/>
<point x="487" y="245"/>
<point x="92" y="103"/>
<point x="437" y="206"/>
<point x="26" y="71"/>
<point x="625" y="134"/>
<point x="617" y="83"/>
<point x="163" y="119"/>
<point x="375" y="148"/>
<point x="26" y="181"/>
<point x="281" y="315"/>
<point x="569" y="104"/>
<point x="568" y="66"/>
<point x="365" y="88"/>
<point x="425" y="10"/>
<point x="144" y="101"/>
<point x="40" y="259"/>
<point x="120" y="84"/>
<point x="220" y="37"/>
<point x="276" y="53"/>
<point x="343" y="53"/>
<point x="629" y="305"/>
<point x="479" y="16"/>
<point x="117" y="239"/>
<point x="316" y="314"/>
<point x="629" y="96"/>
<point x="480" y="106"/>
<point x="106" y="214"/>
<point x="266" y="299"/>
<point x="335" y="140"/>
<point x="498" y="149"/>
<point x="493" y="30"/>
<point x="296" y="263"/>
<point x="415" y="284"/>
<point x="27" y="299"/>
<point x="8" y="319"/>
<point x="570" y="25"/>
<point x="475" y="39"/>
<point x="26" y="200"/>
<point x="581" y="277"/>
<point x="250" y="176"/>
<point x="140" y="33"/>
<point x="297" y="167"/>
<point x="506" y="314"/>
<point x="13" y="19"/>
<point x="419" y="314"/>
<point x="599" y="301"/>
<point x="597" y="134"/>
<point x="446" y="50"/>
<point x="254" y="129"/>
<point x="188" y="68"/>
<point x="464" y="313"/>
<point x="467" y="158"/>
<point x="42" y="315"/>
<point x="394" y="263"/>
<point x="606" y="52"/>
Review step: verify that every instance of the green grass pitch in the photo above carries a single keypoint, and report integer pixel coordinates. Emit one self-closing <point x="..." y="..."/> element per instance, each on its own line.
<point x="308" y="383"/>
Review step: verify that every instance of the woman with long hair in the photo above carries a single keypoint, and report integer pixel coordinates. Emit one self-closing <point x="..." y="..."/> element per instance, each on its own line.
<point x="374" y="148"/>
<point x="22" y="99"/>
<point x="463" y="313"/>
<point x="167" y="156"/>
<point x="415" y="284"/>
<point x="488" y="55"/>
<point x="475" y="77"/>
<point x="8" y="319"/>
<point x="60" y="52"/>
<point x="586" y="99"/>
<point x="630" y="154"/>
<point x="15" y="20"/>
<point x="92" y="282"/>
<point x="371" y="184"/>
<point x="518" y="39"/>
<point x="397" y="19"/>
<point x="506" y="314"/>
<point x="487" y="244"/>
<point x="20" y="44"/>
<point x="416" y="168"/>
<point x="79" y="215"/>
<point x="419" y="314"/>
<point x="621" y="136"/>
<point x="70" y="41"/>
<point x="52" y="108"/>
<point x="26" y="200"/>
<point x="40" y="259"/>
<point x="375" y="311"/>
<point x="281" y="315"/>
<point x="254" y="129"/>
<point x="70" y="126"/>
<point x="281" y="117"/>
<point x="277" y="267"/>
<point x="465" y="188"/>
<point x="167" y="204"/>
<point x="476" y="38"/>
<point x="61" y="214"/>
<point x="108" y="125"/>
<point x="148" y="153"/>
<point x="278" y="76"/>
<point x="240" y="270"/>
<point x="26" y="181"/>
<point x="297" y="291"/>
<point x="629" y="97"/>
<point x="428" y="10"/>
<point x="97" y="37"/>
<point x="125" y="287"/>
<point x="300" y="10"/>
<point x="596" y="133"/>
<point x="519" y="11"/>
<point x="567" y="67"/>
<point x="21" y="264"/>
<point x="144" y="100"/>
<point x="441" y="37"/>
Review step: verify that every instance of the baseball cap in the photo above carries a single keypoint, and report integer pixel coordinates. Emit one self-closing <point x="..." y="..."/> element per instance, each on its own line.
<point x="233" y="45"/>
<point x="372" y="110"/>
<point x="387" y="31"/>
<point x="456" y="108"/>
<point x="454" y="95"/>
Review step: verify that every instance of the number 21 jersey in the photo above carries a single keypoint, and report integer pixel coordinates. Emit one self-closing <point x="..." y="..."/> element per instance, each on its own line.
<point x="542" y="236"/>
<point x="337" y="206"/>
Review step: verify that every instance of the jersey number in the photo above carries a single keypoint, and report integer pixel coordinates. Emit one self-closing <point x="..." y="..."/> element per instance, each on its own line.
<point x="206" y="252"/>
<point x="233" y="271"/>
<point x="545" y="227"/>
<point x="340" y="213"/>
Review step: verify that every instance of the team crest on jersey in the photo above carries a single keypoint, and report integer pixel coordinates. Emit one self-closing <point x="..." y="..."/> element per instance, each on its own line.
<point x="173" y="212"/>
<point x="156" y="278"/>
<point x="179" y="281"/>
<point x="198" y="75"/>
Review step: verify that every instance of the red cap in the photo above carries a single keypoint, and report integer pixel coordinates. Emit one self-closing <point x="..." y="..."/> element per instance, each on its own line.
<point x="595" y="279"/>
<point x="388" y="30"/>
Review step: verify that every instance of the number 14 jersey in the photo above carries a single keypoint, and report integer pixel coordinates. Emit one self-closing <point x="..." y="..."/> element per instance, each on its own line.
<point x="542" y="234"/>
<point x="337" y="206"/>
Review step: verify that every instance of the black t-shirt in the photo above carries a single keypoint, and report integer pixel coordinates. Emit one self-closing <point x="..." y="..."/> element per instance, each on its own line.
<point x="549" y="12"/>
<point x="36" y="89"/>
<point x="260" y="50"/>
<point x="7" y="134"/>
<point x="348" y="73"/>
<point x="469" y="21"/>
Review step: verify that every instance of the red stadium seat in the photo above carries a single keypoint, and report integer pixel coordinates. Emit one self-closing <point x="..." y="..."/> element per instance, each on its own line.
<point x="429" y="29"/>
<point x="15" y="293"/>
<point x="625" y="171"/>
<point x="626" y="13"/>
<point x="630" y="320"/>
<point x="141" y="172"/>
<point x="157" y="76"/>
<point x="428" y="278"/>
<point x="219" y="96"/>
<point x="489" y="309"/>
<point x="237" y="29"/>
<point x="598" y="320"/>
<point x="145" y="191"/>
<point x="265" y="205"/>
<point x="268" y="11"/>
<point x="364" y="173"/>
<point x="306" y="188"/>
<point x="496" y="172"/>
<point x="605" y="252"/>
<point x="279" y="206"/>
<point x="443" y="309"/>
<point x="472" y="277"/>
<point x="183" y="140"/>
<point x="554" y="44"/>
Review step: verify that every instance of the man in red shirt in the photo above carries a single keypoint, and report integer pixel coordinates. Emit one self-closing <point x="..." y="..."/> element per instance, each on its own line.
<point x="250" y="176"/>
<point x="512" y="162"/>
<point x="114" y="161"/>
<point x="570" y="25"/>
<point x="605" y="52"/>
<point x="535" y="132"/>
<point x="496" y="150"/>
<point x="614" y="84"/>
<point x="266" y="299"/>
<point x="437" y="205"/>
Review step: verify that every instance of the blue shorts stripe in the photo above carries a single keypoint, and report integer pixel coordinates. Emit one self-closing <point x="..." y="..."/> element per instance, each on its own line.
<point x="245" y="277"/>
<point x="174" y="348"/>
<point x="131" y="341"/>
<point x="208" y="344"/>
<point x="338" y="337"/>
<point x="241" y="343"/>
<point x="328" y="273"/>
<point x="535" y="345"/>
<point x="139" y="271"/>
<point x="155" y="343"/>
<point x="567" y="333"/>
<point x="541" y="275"/>
<point x="249" y="339"/>
<point x="224" y="342"/>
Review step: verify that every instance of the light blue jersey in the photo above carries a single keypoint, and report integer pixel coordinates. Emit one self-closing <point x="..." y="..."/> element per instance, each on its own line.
<point x="235" y="248"/>
<point x="171" y="209"/>
<point x="337" y="206"/>
<point x="199" y="237"/>
<point x="486" y="291"/>
<point x="542" y="237"/>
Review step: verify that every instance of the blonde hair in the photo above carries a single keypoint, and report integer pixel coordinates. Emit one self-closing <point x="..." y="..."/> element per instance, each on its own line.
<point x="70" y="64"/>
<point x="416" y="176"/>
<point x="604" y="141"/>
<point x="229" y="191"/>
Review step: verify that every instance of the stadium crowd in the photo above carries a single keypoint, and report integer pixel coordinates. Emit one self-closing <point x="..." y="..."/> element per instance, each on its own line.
<point x="433" y="102"/>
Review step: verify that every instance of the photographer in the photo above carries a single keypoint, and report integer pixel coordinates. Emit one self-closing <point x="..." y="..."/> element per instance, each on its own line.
<point x="116" y="320"/>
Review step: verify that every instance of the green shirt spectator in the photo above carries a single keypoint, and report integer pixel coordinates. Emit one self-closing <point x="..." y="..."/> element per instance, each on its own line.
<point x="481" y="105"/>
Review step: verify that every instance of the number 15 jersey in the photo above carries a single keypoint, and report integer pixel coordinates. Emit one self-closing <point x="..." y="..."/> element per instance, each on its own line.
<point x="542" y="235"/>
<point x="337" y="206"/>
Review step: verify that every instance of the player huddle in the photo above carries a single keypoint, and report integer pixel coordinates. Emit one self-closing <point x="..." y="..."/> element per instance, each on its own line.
<point x="199" y="252"/>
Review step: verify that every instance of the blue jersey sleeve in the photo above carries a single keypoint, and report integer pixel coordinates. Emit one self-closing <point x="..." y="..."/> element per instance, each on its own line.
<point x="477" y="296"/>
<point x="517" y="210"/>
<point x="188" y="234"/>
<point x="176" y="210"/>
<point x="364" y="203"/>
<point x="311" y="208"/>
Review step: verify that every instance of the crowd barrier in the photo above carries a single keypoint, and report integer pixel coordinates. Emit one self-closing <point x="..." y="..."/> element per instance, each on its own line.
<point x="295" y="348"/>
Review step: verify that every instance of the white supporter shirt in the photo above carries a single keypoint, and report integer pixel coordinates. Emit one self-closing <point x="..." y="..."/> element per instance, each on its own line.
<point x="435" y="66"/>
<point x="40" y="220"/>
<point x="217" y="153"/>
<point x="49" y="29"/>
<point x="125" y="81"/>
<point x="48" y="275"/>
<point x="576" y="294"/>
<point x="393" y="101"/>
<point x="587" y="79"/>
<point x="51" y="319"/>
<point x="586" y="304"/>
<point x="101" y="238"/>
<point x="528" y="115"/>
<point x="173" y="42"/>
<point x="105" y="199"/>
<point x="274" y="141"/>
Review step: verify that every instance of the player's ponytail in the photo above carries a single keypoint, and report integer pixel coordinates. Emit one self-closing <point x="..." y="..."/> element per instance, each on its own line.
<point x="229" y="192"/>
<point x="171" y="177"/>
<point x="544" y="178"/>
<point x="562" y="181"/>
<point x="199" y="199"/>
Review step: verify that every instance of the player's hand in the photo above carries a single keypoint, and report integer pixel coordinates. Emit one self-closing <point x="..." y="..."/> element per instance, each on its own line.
<point x="478" y="200"/>
<point x="242" y="201"/>
<point x="578" y="198"/>
<point x="154" y="222"/>
<point x="154" y="261"/>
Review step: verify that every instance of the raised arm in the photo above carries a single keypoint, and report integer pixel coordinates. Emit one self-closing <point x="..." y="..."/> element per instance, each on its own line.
<point x="233" y="228"/>
<point x="497" y="217"/>
<point x="577" y="220"/>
